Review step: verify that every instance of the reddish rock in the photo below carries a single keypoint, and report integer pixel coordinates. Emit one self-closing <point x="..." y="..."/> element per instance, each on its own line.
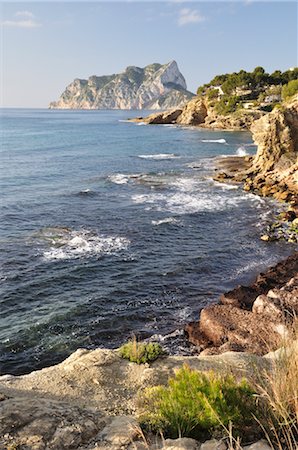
<point x="241" y="297"/>
<point x="275" y="277"/>
<point x="250" y="318"/>
<point x="235" y="328"/>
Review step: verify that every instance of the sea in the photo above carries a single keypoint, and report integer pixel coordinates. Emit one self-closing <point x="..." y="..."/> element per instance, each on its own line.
<point x="111" y="229"/>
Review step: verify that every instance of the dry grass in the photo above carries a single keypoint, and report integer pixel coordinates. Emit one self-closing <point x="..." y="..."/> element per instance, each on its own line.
<point x="279" y="396"/>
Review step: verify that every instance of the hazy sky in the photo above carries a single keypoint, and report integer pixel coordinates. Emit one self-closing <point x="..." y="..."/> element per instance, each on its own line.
<point x="45" y="45"/>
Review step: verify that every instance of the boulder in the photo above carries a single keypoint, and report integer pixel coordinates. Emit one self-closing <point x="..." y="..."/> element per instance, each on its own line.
<point x="238" y="329"/>
<point x="260" y="445"/>
<point x="121" y="430"/>
<point x="194" y="112"/>
<point x="213" y="444"/>
<point x="181" y="444"/>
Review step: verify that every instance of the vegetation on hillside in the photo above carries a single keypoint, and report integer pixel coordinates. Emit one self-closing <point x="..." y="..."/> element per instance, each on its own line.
<point x="228" y="93"/>
<point x="289" y="89"/>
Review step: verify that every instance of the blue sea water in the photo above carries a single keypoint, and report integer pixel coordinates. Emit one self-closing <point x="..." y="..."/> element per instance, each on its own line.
<point x="109" y="228"/>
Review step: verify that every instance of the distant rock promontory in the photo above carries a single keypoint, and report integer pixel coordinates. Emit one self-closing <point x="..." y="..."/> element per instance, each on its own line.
<point x="155" y="86"/>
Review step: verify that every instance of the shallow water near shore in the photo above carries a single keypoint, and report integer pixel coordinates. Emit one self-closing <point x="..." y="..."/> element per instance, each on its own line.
<point x="109" y="228"/>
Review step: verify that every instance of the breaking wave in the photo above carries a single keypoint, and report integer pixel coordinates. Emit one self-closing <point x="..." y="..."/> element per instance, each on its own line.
<point x="241" y="151"/>
<point x="119" y="178"/>
<point x="218" y="141"/>
<point x="164" y="221"/>
<point x="160" y="156"/>
<point x="185" y="203"/>
<point x="68" y="244"/>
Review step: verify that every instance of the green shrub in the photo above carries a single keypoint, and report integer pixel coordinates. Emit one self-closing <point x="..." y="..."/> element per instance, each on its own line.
<point x="196" y="404"/>
<point x="212" y="94"/>
<point x="140" y="352"/>
<point x="289" y="89"/>
<point x="227" y="105"/>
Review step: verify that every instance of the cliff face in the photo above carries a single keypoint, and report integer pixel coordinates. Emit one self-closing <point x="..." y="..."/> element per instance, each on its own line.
<point x="275" y="166"/>
<point x="154" y="87"/>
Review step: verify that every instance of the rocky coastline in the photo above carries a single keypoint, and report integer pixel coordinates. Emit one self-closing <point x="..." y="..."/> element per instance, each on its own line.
<point x="90" y="400"/>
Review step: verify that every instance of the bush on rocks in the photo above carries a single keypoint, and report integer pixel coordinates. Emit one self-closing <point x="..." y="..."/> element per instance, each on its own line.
<point x="198" y="405"/>
<point x="140" y="352"/>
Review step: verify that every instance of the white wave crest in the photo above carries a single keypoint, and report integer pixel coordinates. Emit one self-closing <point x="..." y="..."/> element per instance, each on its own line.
<point x="241" y="151"/>
<point x="163" y="221"/>
<point x="119" y="178"/>
<point x="180" y="203"/>
<point x="187" y="184"/>
<point x="216" y="141"/>
<point x="160" y="156"/>
<point x="77" y="244"/>
<point x="226" y="186"/>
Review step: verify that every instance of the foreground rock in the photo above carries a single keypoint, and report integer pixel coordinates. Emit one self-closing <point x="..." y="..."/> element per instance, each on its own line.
<point x="251" y="318"/>
<point x="89" y="401"/>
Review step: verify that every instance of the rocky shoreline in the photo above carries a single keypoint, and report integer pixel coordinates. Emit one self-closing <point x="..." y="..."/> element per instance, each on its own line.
<point x="90" y="400"/>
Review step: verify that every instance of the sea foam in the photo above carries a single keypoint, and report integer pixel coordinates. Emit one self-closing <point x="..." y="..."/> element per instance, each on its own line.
<point x="160" y="156"/>
<point x="241" y="151"/>
<point x="165" y="221"/>
<point x="216" y="141"/>
<point x="77" y="244"/>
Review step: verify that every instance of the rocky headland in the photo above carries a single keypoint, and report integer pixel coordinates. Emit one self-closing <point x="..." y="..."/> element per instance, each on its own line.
<point x="155" y="86"/>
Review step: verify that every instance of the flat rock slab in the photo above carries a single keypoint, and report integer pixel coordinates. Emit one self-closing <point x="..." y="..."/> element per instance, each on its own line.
<point x="101" y="379"/>
<point x="44" y="423"/>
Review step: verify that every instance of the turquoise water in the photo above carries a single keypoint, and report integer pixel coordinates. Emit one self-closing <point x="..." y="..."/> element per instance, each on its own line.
<point x="109" y="228"/>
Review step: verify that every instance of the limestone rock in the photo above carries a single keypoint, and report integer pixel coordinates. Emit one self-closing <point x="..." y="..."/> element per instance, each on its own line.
<point x="276" y="162"/>
<point x="154" y="87"/>
<point x="193" y="113"/>
<point x="213" y="444"/>
<point x="260" y="445"/>
<point x="242" y="120"/>
<point x="235" y="329"/>
<point x="120" y="431"/>
<point x="167" y="117"/>
<point x="38" y="423"/>
<point x="181" y="444"/>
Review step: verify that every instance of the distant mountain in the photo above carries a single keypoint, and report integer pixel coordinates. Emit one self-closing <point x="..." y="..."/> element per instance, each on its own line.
<point x="154" y="87"/>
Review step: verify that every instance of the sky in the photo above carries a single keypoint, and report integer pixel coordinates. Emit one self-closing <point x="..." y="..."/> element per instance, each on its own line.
<point x="45" y="45"/>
